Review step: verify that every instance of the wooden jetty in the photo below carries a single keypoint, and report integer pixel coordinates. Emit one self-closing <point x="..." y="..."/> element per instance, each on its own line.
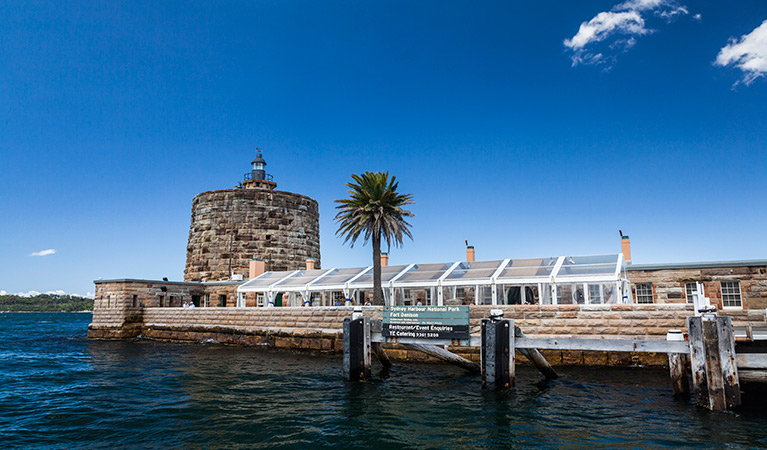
<point x="715" y="369"/>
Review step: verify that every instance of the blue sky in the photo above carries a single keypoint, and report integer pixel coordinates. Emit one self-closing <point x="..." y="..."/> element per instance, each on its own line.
<point x="527" y="128"/>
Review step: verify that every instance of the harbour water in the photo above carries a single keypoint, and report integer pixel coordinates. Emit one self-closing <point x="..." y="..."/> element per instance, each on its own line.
<point x="60" y="391"/>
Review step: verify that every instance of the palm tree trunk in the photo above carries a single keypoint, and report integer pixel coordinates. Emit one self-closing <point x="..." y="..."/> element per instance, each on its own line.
<point x="378" y="298"/>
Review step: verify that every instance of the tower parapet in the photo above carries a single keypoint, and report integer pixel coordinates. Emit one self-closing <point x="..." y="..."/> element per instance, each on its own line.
<point x="257" y="178"/>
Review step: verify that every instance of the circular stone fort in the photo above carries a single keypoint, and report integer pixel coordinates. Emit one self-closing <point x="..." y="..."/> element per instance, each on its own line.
<point x="252" y="221"/>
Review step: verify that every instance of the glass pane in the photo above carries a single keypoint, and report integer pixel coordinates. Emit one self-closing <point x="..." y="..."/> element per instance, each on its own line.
<point x="545" y="294"/>
<point x="589" y="265"/>
<point x="527" y="268"/>
<point x="595" y="294"/>
<point x="267" y="279"/>
<point x="731" y="293"/>
<point x="644" y="293"/>
<point x="592" y="269"/>
<point x="485" y="295"/>
<point x="387" y="273"/>
<point x="592" y="259"/>
<point x="690" y="289"/>
<point x="474" y="270"/>
<point x="424" y="272"/>
<point x="339" y="276"/>
<point x="564" y="294"/>
<point x="302" y="278"/>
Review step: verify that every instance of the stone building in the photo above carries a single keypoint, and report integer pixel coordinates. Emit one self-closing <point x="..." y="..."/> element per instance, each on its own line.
<point x="252" y="221"/>
<point x="728" y="284"/>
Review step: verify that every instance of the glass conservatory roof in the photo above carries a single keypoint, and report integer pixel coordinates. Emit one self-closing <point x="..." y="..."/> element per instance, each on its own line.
<point x="562" y="269"/>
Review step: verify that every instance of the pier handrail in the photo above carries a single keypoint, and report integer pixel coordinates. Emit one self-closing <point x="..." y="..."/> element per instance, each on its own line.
<point x="602" y="345"/>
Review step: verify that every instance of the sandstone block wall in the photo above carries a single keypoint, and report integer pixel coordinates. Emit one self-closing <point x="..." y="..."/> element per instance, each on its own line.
<point x="669" y="284"/>
<point x="319" y="328"/>
<point x="230" y="227"/>
<point x="118" y="294"/>
<point x="216" y="291"/>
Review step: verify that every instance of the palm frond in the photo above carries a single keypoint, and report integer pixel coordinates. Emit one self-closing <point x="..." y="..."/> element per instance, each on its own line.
<point x="374" y="207"/>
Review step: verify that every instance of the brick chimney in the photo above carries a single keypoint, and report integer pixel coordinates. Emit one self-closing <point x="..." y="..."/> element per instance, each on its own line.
<point x="470" y="253"/>
<point x="626" y="248"/>
<point x="255" y="268"/>
<point x="309" y="263"/>
<point x="384" y="259"/>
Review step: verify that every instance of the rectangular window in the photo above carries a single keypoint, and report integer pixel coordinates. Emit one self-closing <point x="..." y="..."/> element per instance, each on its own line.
<point x="644" y="293"/>
<point x="135" y="301"/>
<point x="206" y="301"/>
<point x="690" y="289"/>
<point x="162" y="301"/>
<point x="731" y="294"/>
<point x="222" y="300"/>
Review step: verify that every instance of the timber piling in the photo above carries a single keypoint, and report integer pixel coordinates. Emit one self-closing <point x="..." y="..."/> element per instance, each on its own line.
<point x="714" y="365"/>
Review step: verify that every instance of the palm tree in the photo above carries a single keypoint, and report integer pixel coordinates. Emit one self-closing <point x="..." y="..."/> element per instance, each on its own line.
<point x="374" y="210"/>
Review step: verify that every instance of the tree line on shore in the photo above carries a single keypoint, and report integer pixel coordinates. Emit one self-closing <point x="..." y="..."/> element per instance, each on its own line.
<point x="45" y="303"/>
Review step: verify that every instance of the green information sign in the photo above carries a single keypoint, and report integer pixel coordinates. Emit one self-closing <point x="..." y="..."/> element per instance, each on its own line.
<point x="426" y="322"/>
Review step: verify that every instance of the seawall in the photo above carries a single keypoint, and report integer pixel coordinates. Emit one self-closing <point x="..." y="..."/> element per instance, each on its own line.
<point x="319" y="328"/>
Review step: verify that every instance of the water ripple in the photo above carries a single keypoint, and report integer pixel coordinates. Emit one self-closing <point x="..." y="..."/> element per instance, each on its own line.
<point x="60" y="390"/>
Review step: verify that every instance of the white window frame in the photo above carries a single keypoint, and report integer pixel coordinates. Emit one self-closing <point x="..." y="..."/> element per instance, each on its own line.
<point x="652" y="294"/>
<point x="739" y="293"/>
<point x="689" y="294"/>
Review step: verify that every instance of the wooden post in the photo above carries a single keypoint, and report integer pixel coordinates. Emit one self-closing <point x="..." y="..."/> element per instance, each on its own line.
<point x="712" y="357"/>
<point x="677" y="366"/>
<point x="357" y="348"/>
<point x="383" y="358"/>
<point x="536" y="358"/>
<point x="497" y="354"/>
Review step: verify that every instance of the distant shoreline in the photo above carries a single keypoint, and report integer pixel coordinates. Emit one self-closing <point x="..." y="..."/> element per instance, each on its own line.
<point x="45" y="303"/>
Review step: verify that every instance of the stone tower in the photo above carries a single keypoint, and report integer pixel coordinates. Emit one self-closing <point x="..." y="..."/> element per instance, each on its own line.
<point x="232" y="226"/>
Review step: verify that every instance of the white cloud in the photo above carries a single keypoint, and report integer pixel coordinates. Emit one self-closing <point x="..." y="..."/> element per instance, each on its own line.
<point x="604" y="25"/>
<point x="669" y="14"/>
<point x="50" y="251"/>
<point x="749" y="54"/>
<point x="56" y="292"/>
<point x="621" y="25"/>
<point x="640" y="5"/>
<point x="27" y="294"/>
